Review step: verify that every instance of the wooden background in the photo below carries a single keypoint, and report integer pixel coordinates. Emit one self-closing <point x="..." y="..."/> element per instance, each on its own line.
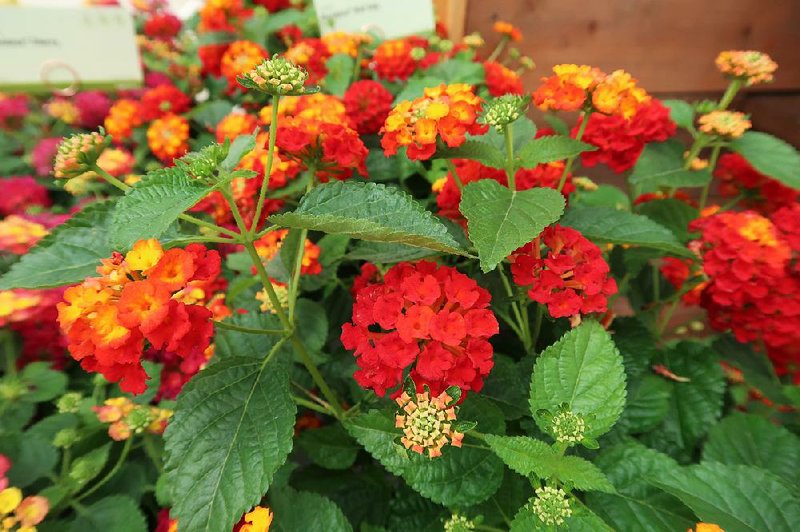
<point x="668" y="45"/>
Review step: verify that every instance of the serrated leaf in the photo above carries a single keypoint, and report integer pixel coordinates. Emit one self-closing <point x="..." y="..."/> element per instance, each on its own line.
<point x="661" y="164"/>
<point x="241" y="146"/>
<point x="152" y="205"/>
<point x="602" y="224"/>
<point x="392" y="168"/>
<point x="70" y="253"/>
<point x="734" y="497"/>
<point x="32" y="457"/>
<point x="581" y="520"/>
<point x="475" y="150"/>
<point x="458" y="71"/>
<point x="637" y="505"/>
<point x="548" y="149"/>
<point x="637" y="343"/>
<point x="369" y="211"/>
<point x="647" y="405"/>
<point x="409" y="511"/>
<point x="330" y="447"/>
<point x="501" y="220"/>
<point x="673" y="214"/>
<point x="581" y="474"/>
<point x="523" y="454"/>
<point x="680" y="112"/>
<point x="230" y="343"/>
<point x="232" y="430"/>
<point x="118" y="513"/>
<point x="753" y="440"/>
<point x="507" y="385"/>
<point x="301" y="510"/>
<point x="387" y="253"/>
<point x="584" y="371"/>
<point x="770" y="156"/>
<point x="43" y="383"/>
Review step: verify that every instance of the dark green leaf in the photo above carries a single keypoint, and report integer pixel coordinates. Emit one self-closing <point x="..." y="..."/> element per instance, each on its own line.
<point x="501" y="220"/>
<point x="43" y="382"/>
<point x="673" y="214"/>
<point x="387" y="253"/>
<point x="770" y="156"/>
<point x="369" y="211"/>
<point x="661" y="164"/>
<point x="507" y="385"/>
<point x="329" y="447"/>
<point x="300" y="510"/>
<point x="475" y="149"/>
<point x="458" y="71"/>
<point x="118" y="513"/>
<point x="241" y="146"/>
<point x="681" y="112"/>
<point x="32" y="457"/>
<point x="230" y="343"/>
<point x="208" y="114"/>
<point x="648" y="404"/>
<point x="548" y="149"/>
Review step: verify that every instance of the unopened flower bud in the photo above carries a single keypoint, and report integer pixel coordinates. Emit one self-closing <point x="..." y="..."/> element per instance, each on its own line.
<point x="551" y="505"/>
<point x="65" y="438"/>
<point x="568" y="427"/>
<point x="418" y="53"/>
<point x="730" y="124"/>
<point x="504" y="110"/>
<point x="473" y="40"/>
<point x="584" y="183"/>
<point x="139" y="419"/>
<point x="277" y="76"/>
<point x="458" y="523"/>
<point x="76" y="154"/>
<point x="69" y="403"/>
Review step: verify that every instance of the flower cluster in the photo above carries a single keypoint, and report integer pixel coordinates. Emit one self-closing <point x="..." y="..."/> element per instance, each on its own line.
<point x="234" y="124"/>
<point x="146" y="294"/>
<point x="574" y="87"/>
<point x="168" y="137"/>
<point x="162" y="100"/>
<point x="551" y="505"/>
<point x="22" y="513"/>
<point x="122" y="118"/>
<point x="446" y="111"/>
<point x="431" y="319"/>
<point x="277" y="76"/>
<point x="311" y="54"/>
<point x="368" y="104"/>
<point x="239" y="57"/>
<point x="730" y="124"/>
<point x="126" y="418"/>
<point x="331" y="149"/>
<point x="502" y="80"/>
<point x="507" y="30"/>
<point x="258" y="519"/>
<point x="752" y="287"/>
<point x="20" y="233"/>
<point x="395" y="60"/>
<point x="619" y="141"/>
<point x="427" y="423"/>
<point x="568" y="427"/>
<point x="32" y="314"/>
<point x="77" y="153"/>
<point x="564" y="271"/>
<point x="750" y="66"/>
<point x="459" y="523"/>
<point x="762" y="193"/>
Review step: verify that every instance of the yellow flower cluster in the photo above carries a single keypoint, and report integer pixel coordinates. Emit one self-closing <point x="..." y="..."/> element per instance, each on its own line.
<point x="21" y="515"/>
<point x="724" y="123"/>
<point x="749" y="65"/>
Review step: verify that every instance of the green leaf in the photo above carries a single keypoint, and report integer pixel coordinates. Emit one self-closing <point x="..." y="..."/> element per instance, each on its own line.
<point x="230" y="343"/>
<point x="735" y="497"/>
<point x="619" y="227"/>
<point x="637" y="505"/>
<point x="523" y="454"/>
<point x="604" y="196"/>
<point x="680" y="112"/>
<point x="409" y="511"/>
<point x="150" y="207"/>
<point x="393" y="168"/>
<point x="70" y="253"/>
<point x="581" y="474"/>
<point x="673" y="214"/>
<point x="313" y="321"/>
<point x="507" y="385"/>
<point x="584" y="371"/>
<point x="387" y="253"/>
<point x="694" y="405"/>
<point x="118" y="513"/>
<point x="43" y="382"/>
<point x="637" y="343"/>
<point x="754" y="365"/>
<point x="300" y="510"/>
<point x="369" y="211"/>
<point x="232" y="430"/>
<point x="661" y="164"/>
<point x="581" y="520"/>
<point x="415" y="87"/>
<point x="88" y="466"/>
<point x="648" y="404"/>
<point x="475" y="149"/>
<point x="241" y="146"/>
<point x="770" y="156"/>
<point x="548" y="149"/>
<point x="329" y="447"/>
<point x="340" y="71"/>
<point x="501" y="220"/>
<point x="32" y="457"/>
<point x="753" y="440"/>
<point x="208" y="114"/>
<point x="458" y="71"/>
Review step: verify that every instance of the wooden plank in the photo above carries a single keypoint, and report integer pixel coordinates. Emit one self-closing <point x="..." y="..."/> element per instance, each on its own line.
<point x="669" y="45"/>
<point x="452" y="13"/>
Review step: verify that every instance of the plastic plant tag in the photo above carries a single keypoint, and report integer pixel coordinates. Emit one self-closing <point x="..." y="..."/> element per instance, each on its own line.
<point x="387" y="18"/>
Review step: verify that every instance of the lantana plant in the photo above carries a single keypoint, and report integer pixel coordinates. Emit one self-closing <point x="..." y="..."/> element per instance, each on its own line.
<point x="344" y="283"/>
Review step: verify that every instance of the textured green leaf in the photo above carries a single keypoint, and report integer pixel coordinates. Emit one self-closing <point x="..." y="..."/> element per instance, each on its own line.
<point x="753" y="440"/>
<point x="581" y="474"/>
<point x="673" y="214"/>
<point x="637" y="343"/>
<point x="620" y="227"/>
<point x="737" y="498"/>
<point x="241" y="146"/>
<point x="548" y="149"/>
<point x="230" y="343"/>
<point x="458" y="70"/>
<point x="43" y="382"/>
<point x="369" y="211"/>
<point x="770" y="156"/>
<point x="387" y="253"/>
<point x="523" y="131"/>
<point x="409" y="511"/>
<point x="584" y="370"/>
<point x="392" y="168"/>
<point x="507" y="385"/>
<point x="32" y="457"/>
<point x="648" y="404"/>
<point x="637" y="505"/>
<point x="70" y="253"/>
<point x="694" y="405"/>
<point x="681" y="112"/>
<point x="501" y="220"/>
<point x="330" y="447"/>
<point x="118" y="513"/>
<point x="150" y="207"/>
<point x="474" y="149"/>
<point x="300" y="510"/>
<point x="460" y="477"/>
<point x="603" y="196"/>
<point x="523" y="454"/>
<point x="581" y="520"/>
<point x="754" y="365"/>
<point x="661" y="164"/>
<point x="232" y="430"/>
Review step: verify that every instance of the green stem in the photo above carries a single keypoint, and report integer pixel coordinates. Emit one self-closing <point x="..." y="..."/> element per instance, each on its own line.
<point x="121" y="460"/>
<point x="294" y="285"/>
<point x="522" y="329"/>
<point x="319" y="380"/>
<point x="311" y="406"/>
<point x="273" y="129"/>
<point x="734" y="87"/>
<point x="452" y="168"/>
<point x="668" y="316"/>
<point x="509" y="136"/>
<point x="248" y="330"/>
<point x="712" y="163"/>
<point x="66" y="458"/>
<point x="571" y="160"/>
<point x="499" y="49"/>
<point x="537" y="324"/>
<point x="357" y="65"/>
<point x="110" y="178"/>
<point x="732" y="203"/>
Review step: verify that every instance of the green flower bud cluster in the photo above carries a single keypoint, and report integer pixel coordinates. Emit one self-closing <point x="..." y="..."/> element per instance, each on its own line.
<point x="139" y="419"/>
<point x="69" y="403"/>
<point x="568" y="427"/>
<point x="277" y="76"/>
<point x="458" y="523"/>
<point x="551" y="505"/>
<point x="76" y="154"/>
<point x="504" y="110"/>
<point x="65" y="438"/>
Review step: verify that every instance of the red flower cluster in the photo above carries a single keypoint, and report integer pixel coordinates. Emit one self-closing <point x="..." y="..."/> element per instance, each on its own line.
<point x="163" y="100"/>
<point x="312" y="55"/>
<point x="333" y="150"/>
<point x="32" y="314"/>
<point x="394" y="59"/>
<point x="501" y="80"/>
<point x="754" y="280"/>
<point x="162" y="26"/>
<point x="368" y="104"/>
<point x="424" y="317"/>
<point x="146" y="294"/>
<point x="92" y="108"/>
<point x="762" y="193"/>
<point x="21" y="193"/>
<point x="570" y="275"/>
<point x="619" y="141"/>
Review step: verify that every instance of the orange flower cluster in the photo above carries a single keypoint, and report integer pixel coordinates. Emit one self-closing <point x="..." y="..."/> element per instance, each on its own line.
<point x="234" y="124"/>
<point x="126" y="418"/>
<point x="146" y="294"/>
<point x="168" y="137"/>
<point x="19" y="305"/>
<point x="123" y="116"/>
<point x="446" y="111"/>
<point x="724" y="123"/>
<point x="240" y="56"/>
<point x="18" y="234"/>
<point x="269" y="245"/>
<point x="23" y="513"/>
<point x="427" y="423"/>
<point x="257" y="520"/>
<point x="749" y="65"/>
<point x="394" y="60"/>
<point x="508" y="30"/>
<point x="62" y="109"/>
<point x="574" y="87"/>
<point x="502" y="80"/>
<point x="340" y="42"/>
<point x="310" y="54"/>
